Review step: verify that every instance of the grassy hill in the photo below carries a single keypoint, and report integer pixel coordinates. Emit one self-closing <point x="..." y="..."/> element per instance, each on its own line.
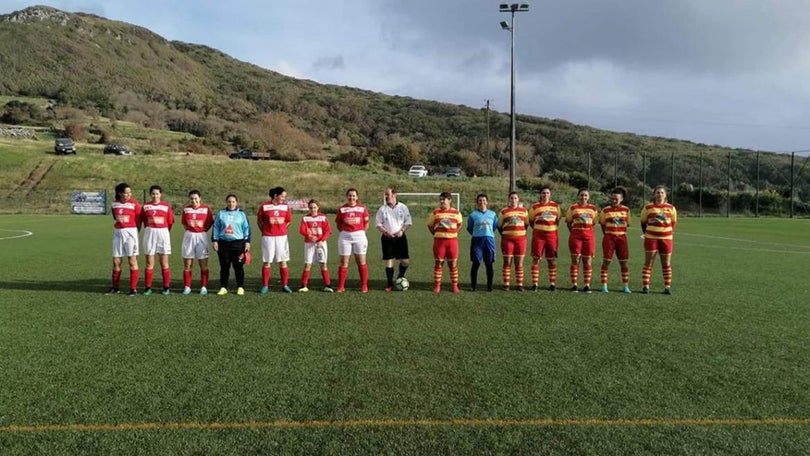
<point x="34" y="180"/>
<point x="99" y="80"/>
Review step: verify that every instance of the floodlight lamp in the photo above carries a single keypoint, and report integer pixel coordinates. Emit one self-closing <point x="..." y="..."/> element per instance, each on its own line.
<point x="504" y="7"/>
<point x="523" y="7"/>
<point x="505" y="25"/>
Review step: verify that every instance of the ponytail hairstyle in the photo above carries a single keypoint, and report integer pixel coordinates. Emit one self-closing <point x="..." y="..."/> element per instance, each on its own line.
<point x="119" y="190"/>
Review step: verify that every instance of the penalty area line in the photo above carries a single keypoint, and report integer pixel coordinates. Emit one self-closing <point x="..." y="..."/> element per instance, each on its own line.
<point x="541" y="422"/>
<point x="24" y="234"/>
<point x="746" y="249"/>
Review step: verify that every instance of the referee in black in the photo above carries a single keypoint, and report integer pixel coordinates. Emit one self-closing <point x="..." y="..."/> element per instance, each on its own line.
<point x="393" y="219"/>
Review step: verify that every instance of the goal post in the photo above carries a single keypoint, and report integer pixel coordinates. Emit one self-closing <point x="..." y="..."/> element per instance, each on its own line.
<point x="425" y="202"/>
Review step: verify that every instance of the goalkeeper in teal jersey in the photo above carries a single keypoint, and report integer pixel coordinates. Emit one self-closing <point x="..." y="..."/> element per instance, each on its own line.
<point x="481" y="224"/>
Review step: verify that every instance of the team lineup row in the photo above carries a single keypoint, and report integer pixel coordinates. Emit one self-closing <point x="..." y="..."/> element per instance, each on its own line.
<point x="231" y="235"/>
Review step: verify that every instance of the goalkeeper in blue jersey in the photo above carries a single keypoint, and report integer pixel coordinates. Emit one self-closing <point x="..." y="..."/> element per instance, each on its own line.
<point x="481" y="224"/>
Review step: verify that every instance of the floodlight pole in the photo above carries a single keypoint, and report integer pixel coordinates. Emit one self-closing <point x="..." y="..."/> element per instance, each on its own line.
<point x="512" y="8"/>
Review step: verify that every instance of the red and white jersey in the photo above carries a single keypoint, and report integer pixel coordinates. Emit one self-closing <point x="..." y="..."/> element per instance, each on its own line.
<point x="273" y="219"/>
<point x="352" y="218"/>
<point x="127" y="214"/>
<point x="158" y="215"/>
<point x="315" y="228"/>
<point x="197" y="220"/>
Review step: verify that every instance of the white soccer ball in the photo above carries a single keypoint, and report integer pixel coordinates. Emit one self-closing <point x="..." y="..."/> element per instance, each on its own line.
<point x="402" y="284"/>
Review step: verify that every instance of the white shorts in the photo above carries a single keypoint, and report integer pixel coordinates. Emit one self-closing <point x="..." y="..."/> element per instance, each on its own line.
<point x="352" y="243"/>
<point x="157" y="240"/>
<point x="125" y="242"/>
<point x="195" y="246"/>
<point x="315" y="252"/>
<point x="275" y="249"/>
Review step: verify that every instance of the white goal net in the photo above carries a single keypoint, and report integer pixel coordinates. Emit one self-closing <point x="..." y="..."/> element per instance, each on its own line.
<point x="423" y="203"/>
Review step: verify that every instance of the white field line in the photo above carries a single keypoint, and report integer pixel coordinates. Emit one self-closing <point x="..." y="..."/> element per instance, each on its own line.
<point x="24" y="234"/>
<point x="750" y="241"/>
<point x="746" y="249"/>
<point x="785" y="248"/>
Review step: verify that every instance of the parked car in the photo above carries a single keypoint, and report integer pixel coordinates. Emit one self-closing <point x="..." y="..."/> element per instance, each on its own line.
<point x="454" y="172"/>
<point x="247" y="154"/>
<point x="117" y="149"/>
<point x="64" y="146"/>
<point x="418" y="171"/>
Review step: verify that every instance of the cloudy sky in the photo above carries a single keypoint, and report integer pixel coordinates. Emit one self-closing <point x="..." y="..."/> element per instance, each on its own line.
<point x="728" y="72"/>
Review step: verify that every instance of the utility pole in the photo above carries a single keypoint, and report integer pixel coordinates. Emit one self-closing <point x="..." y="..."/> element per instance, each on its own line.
<point x="489" y="148"/>
<point x="512" y="8"/>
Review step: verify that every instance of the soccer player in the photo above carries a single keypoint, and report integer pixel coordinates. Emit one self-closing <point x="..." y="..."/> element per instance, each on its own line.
<point x="273" y="218"/>
<point x="544" y="218"/>
<point x="231" y="241"/>
<point x="316" y="230"/>
<point x="580" y="219"/>
<point x="352" y="221"/>
<point x="444" y="224"/>
<point x="393" y="219"/>
<point x="127" y="213"/>
<point x="512" y="223"/>
<point x="158" y="218"/>
<point x="614" y="220"/>
<point x="481" y="224"/>
<point x="658" y="221"/>
<point x="197" y="218"/>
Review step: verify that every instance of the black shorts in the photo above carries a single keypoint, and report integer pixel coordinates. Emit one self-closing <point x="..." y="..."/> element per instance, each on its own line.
<point x="395" y="248"/>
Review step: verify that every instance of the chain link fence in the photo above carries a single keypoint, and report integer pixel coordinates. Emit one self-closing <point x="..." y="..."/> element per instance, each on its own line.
<point x="739" y="183"/>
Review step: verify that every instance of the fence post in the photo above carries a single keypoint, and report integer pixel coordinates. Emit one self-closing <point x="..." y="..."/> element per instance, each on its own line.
<point x="672" y="186"/>
<point x="792" y="180"/>
<point x="728" y="190"/>
<point x="700" y="186"/>
<point x="644" y="167"/>
<point x="589" y="168"/>
<point x="616" y="170"/>
<point x="756" y="206"/>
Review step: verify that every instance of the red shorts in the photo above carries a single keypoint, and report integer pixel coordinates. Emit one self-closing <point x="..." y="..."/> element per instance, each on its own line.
<point x="545" y="243"/>
<point x="615" y="244"/>
<point x="445" y="249"/>
<point x="582" y="245"/>
<point x="513" y="245"/>
<point x="662" y="246"/>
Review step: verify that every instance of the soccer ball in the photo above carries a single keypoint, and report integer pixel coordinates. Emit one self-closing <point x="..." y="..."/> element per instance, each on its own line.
<point x="402" y="284"/>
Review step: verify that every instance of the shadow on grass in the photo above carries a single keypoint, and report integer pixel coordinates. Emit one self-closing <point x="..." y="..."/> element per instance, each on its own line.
<point x="101" y="285"/>
<point x="78" y="286"/>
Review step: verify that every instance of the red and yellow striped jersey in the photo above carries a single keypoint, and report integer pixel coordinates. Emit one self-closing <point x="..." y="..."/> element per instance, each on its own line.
<point x="445" y="223"/>
<point x="513" y="221"/>
<point x="581" y="217"/>
<point x="615" y="220"/>
<point x="545" y="216"/>
<point x="659" y="220"/>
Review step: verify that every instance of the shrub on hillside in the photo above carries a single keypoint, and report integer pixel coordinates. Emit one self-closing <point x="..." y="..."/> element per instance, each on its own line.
<point x="75" y="131"/>
<point x="21" y="113"/>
